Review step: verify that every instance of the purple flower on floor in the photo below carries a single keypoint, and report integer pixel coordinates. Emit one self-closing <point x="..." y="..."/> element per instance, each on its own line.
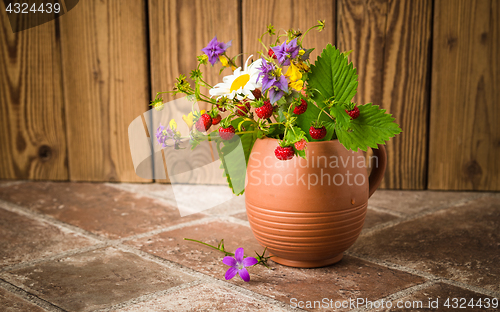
<point x="238" y="265"/>
<point x="286" y="51"/>
<point x="214" y="49"/>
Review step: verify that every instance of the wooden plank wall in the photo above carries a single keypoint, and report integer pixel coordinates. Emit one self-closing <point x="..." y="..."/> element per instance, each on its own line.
<point x="32" y="123"/>
<point x="465" y="110"/>
<point x="69" y="88"/>
<point x="106" y="86"/>
<point x="391" y="50"/>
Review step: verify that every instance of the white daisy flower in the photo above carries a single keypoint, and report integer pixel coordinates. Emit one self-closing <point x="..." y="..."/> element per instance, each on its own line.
<point x="240" y="84"/>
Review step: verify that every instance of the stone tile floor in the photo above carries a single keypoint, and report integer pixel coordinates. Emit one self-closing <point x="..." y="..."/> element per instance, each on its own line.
<point x="120" y="247"/>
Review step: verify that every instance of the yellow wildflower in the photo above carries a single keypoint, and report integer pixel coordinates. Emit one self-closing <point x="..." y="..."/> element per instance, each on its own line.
<point x="297" y="85"/>
<point x="173" y="124"/>
<point x="188" y="119"/>
<point x="293" y="72"/>
<point x="224" y="61"/>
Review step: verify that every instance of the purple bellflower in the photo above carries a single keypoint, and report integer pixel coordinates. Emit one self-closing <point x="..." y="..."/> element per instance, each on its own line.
<point x="166" y="137"/>
<point x="214" y="49"/>
<point x="286" y="51"/>
<point x="278" y="88"/>
<point x="238" y="265"/>
<point x="272" y="80"/>
<point x="267" y="71"/>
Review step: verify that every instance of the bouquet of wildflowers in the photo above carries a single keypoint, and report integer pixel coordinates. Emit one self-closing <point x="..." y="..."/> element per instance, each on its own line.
<point x="278" y="94"/>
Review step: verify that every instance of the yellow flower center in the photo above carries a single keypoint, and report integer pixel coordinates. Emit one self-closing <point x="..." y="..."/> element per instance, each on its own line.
<point x="239" y="82"/>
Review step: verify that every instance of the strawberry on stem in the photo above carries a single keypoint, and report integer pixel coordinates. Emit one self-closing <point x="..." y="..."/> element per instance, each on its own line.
<point x="204" y="122"/>
<point x="284" y="153"/>
<point x="227" y="133"/>
<point x="317" y="131"/>
<point x="265" y="111"/>
<point x="300" y="145"/>
<point x="216" y="119"/>
<point x="354" y="113"/>
<point x="300" y="109"/>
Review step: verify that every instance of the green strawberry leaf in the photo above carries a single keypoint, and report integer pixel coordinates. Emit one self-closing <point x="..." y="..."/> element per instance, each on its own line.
<point x="305" y="120"/>
<point x="372" y="127"/>
<point x="332" y="76"/>
<point x="301" y="153"/>
<point x="341" y="117"/>
<point x="294" y="135"/>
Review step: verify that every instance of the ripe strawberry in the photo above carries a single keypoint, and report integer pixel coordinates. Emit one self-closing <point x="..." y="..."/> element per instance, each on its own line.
<point x="265" y="111"/>
<point x="242" y="108"/>
<point x="301" y="108"/>
<point x="204" y="123"/>
<point x="257" y="93"/>
<point x="317" y="133"/>
<point x="216" y="119"/>
<point x="284" y="153"/>
<point x="226" y="133"/>
<point x="354" y="113"/>
<point x="271" y="53"/>
<point x="300" y="145"/>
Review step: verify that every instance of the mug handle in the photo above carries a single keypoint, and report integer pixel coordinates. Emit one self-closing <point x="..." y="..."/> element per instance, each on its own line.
<point x="378" y="172"/>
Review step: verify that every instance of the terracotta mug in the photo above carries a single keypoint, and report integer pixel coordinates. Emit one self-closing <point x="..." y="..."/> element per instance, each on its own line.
<point x="308" y="212"/>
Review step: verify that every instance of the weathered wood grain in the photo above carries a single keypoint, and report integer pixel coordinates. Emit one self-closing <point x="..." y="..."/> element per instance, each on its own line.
<point x="105" y="65"/>
<point x="465" y="110"/>
<point x="391" y="50"/>
<point x="32" y="126"/>
<point x="286" y="14"/>
<point x="178" y="32"/>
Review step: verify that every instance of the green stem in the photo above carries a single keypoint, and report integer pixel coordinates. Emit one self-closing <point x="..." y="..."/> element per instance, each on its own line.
<point x="243" y="132"/>
<point x="265" y="47"/>
<point x="200" y="242"/>
<point x="261" y="258"/>
<point x="229" y="60"/>
<point x="302" y="38"/>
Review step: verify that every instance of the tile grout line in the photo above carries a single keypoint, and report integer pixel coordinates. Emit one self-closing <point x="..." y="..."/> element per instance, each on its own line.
<point x="69" y="253"/>
<point x="419" y="215"/>
<point x="387" y="211"/>
<point x="150" y="195"/>
<point x="166" y="200"/>
<point x="428" y="276"/>
<point x="203" y="220"/>
<point x="38" y="216"/>
<point x="399" y="294"/>
<point x="21" y="293"/>
<point x="151" y="296"/>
